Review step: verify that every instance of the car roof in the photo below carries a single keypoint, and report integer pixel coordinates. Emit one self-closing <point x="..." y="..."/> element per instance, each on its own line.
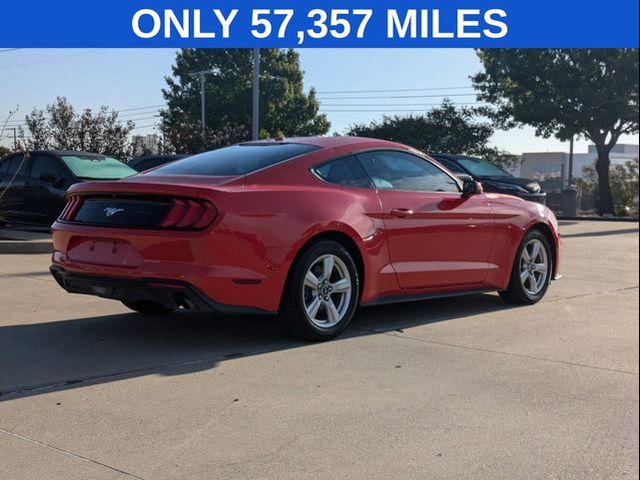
<point x="69" y="153"/>
<point x="451" y="156"/>
<point x="328" y="142"/>
<point x="58" y="153"/>
<point x="148" y="157"/>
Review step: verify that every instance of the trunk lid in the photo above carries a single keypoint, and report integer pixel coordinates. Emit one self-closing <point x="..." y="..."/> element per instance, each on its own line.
<point x="185" y="185"/>
<point x="175" y="202"/>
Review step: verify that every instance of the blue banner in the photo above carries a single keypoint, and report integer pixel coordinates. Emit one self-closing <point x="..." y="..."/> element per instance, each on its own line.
<point x="313" y="24"/>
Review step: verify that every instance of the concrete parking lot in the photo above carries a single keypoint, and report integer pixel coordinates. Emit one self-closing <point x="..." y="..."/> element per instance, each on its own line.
<point x="452" y="388"/>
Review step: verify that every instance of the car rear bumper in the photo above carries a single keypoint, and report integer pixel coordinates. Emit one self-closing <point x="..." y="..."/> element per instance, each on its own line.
<point x="171" y="294"/>
<point x="225" y="268"/>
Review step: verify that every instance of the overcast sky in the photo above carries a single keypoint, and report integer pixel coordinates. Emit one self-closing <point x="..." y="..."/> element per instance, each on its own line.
<point x="130" y="81"/>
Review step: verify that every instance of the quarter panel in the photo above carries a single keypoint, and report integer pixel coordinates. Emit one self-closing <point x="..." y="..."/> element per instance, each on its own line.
<point x="272" y="224"/>
<point x="514" y="217"/>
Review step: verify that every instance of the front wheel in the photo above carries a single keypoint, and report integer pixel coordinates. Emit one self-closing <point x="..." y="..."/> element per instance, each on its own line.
<point x="322" y="293"/>
<point x="531" y="271"/>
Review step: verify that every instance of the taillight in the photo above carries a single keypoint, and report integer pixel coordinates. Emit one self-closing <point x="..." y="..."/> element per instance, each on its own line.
<point x="189" y="214"/>
<point x="139" y="212"/>
<point x="74" y="202"/>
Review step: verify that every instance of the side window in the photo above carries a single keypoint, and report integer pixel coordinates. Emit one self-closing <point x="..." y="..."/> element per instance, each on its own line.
<point x="17" y="163"/>
<point x="45" y="165"/>
<point x="392" y="170"/>
<point x="153" y="162"/>
<point x="4" y="165"/>
<point x="345" y="171"/>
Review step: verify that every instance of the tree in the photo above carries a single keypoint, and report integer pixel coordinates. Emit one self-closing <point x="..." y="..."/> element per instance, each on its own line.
<point x="284" y="107"/>
<point x="445" y="129"/>
<point x="4" y="151"/>
<point x="566" y="92"/>
<point x="624" y="186"/>
<point x="61" y="127"/>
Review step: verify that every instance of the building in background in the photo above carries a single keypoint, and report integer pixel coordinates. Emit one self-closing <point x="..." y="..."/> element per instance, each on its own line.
<point x="146" y="144"/>
<point x="551" y="169"/>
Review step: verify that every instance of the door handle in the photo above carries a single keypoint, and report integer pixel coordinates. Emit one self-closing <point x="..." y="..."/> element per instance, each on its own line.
<point x="401" y="212"/>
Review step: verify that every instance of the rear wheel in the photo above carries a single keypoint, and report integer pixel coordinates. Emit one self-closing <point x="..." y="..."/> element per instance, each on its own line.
<point x="531" y="271"/>
<point x="145" y="306"/>
<point x="323" y="291"/>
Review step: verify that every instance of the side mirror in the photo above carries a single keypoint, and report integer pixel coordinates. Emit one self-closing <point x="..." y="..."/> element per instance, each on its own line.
<point x="471" y="187"/>
<point x="464" y="177"/>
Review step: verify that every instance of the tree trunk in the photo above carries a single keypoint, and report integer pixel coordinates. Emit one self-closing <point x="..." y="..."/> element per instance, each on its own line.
<point x="602" y="167"/>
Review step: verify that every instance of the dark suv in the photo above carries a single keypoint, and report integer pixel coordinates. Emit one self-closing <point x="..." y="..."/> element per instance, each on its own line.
<point x="493" y="179"/>
<point x="35" y="184"/>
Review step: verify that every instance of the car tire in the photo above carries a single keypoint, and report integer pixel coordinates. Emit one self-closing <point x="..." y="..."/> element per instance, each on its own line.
<point x="531" y="272"/>
<point x="148" y="307"/>
<point x="322" y="293"/>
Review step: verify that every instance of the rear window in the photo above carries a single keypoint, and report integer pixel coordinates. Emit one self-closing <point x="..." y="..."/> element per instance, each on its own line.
<point x="345" y="171"/>
<point x="235" y="160"/>
<point x="97" y="168"/>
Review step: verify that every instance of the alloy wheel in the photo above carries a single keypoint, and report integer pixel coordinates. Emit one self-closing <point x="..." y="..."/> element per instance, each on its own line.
<point x="327" y="290"/>
<point x="534" y="267"/>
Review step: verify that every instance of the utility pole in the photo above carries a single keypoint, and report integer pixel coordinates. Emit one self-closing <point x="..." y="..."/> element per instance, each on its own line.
<point x="15" y="138"/>
<point x="256" y="94"/>
<point x="202" y="112"/>
<point x="202" y="76"/>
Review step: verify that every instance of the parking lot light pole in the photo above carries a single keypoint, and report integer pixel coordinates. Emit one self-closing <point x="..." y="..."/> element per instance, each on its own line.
<point x="570" y="181"/>
<point x="256" y="94"/>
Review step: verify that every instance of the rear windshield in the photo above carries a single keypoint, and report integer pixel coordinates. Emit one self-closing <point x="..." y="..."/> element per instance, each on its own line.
<point x="235" y="160"/>
<point x="482" y="168"/>
<point x="97" y="168"/>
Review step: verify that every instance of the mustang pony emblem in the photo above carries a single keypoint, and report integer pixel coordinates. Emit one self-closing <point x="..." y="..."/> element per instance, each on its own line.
<point x="110" y="211"/>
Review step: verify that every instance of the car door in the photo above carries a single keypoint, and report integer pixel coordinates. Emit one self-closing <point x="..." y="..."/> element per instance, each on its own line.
<point x="45" y="188"/>
<point x="13" y="202"/>
<point x="437" y="236"/>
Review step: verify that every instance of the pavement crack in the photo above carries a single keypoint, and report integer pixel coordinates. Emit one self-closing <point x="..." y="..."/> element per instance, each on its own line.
<point x="499" y="352"/>
<point x="400" y="334"/>
<point x="593" y="294"/>
<point x="69" y="453"/>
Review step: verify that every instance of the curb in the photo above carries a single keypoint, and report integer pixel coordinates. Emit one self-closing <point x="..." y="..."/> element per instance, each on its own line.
<point x="16" y="247"/>
<point x="602" y="219"/>
<point x="14" y="242"/>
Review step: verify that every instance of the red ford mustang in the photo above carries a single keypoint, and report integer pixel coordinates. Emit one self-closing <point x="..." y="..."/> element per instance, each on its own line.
<point x="307" y="227"/>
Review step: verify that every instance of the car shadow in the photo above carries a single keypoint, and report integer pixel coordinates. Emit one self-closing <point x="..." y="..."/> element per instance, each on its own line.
<point x="604" y="233"/>
<point x="44" y="357"/>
